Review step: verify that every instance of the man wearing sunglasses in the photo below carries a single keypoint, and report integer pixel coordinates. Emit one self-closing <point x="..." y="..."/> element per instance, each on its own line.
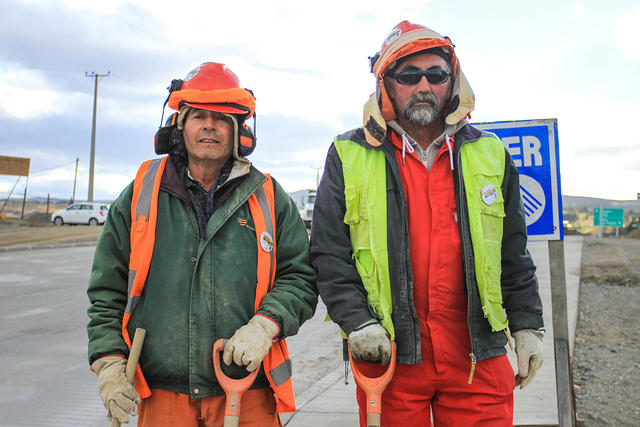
<point x="419" y="236"/>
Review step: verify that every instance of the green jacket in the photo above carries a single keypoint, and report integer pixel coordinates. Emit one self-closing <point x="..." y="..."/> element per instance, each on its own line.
<point x="198" y="290"/>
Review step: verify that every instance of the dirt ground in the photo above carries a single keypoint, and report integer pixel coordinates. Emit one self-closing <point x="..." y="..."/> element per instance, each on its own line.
<point x="21" y="233"/>
<point x="606" y="360"/>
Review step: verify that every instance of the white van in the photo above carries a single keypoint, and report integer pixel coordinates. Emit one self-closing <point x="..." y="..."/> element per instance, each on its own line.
<point x="81" y="213"/>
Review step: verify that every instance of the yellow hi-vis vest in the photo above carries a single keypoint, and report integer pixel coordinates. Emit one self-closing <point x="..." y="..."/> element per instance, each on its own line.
<point x="365" y="196"/>
<point x="364" y="170"/>
<point x="144" y="213"/>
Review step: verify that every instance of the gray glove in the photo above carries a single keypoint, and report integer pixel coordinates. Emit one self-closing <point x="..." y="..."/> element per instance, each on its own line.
<point x="369" y="342"/>
<point x="118" y="396"/>
<point x="529" y="354"/>
<point x="251" y="343"/>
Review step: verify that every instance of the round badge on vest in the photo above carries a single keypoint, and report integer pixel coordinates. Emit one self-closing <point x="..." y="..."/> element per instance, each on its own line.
<point x="489" y="194"/>
<point x="266" y="241"/>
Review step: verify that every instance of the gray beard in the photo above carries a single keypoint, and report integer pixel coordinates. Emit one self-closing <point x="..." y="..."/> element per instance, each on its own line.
<point x="422" y="115"/>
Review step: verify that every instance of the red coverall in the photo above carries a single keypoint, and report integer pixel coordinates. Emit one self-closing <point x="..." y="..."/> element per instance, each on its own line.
<point x="440" y="383"/>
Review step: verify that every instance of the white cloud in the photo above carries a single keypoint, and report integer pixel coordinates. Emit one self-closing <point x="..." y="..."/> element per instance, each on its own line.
<point x="578" y="8"/>
<point x="26" y="94"/>
<point x="627" y="35"/>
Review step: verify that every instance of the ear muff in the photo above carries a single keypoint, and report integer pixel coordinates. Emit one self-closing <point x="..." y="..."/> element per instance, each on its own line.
<point x="162" y="139"/>
<point x="176" y="84"/>
<point x="247" y="140"/>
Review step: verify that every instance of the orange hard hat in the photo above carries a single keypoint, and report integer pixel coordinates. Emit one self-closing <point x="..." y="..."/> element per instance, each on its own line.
<point x="212" y="86"/>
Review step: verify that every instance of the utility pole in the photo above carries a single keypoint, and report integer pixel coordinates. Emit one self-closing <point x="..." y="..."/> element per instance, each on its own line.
<point x="75" y="178"/>
<point x="93" y="129"/>
<point x="317" y="175"/>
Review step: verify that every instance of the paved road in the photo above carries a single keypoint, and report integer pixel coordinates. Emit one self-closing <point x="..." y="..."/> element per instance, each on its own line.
<point x="45" y="380"/>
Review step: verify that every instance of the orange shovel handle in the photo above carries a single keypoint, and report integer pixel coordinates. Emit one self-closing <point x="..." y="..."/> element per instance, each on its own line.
<point x="234" y="388"/>
<point x="373" y="387"/>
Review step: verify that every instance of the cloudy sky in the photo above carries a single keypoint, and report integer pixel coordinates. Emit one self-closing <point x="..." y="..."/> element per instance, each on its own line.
<point x="577" y="61"/>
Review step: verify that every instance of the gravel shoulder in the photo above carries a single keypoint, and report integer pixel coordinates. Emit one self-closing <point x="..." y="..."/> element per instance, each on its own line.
<point x="606" y="360"/>
<point x="18" y="234"/>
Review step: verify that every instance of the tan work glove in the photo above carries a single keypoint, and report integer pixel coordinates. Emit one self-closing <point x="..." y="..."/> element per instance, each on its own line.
<point x="529" y="354"/>
<point x="369" y="342"/>
<point x="251" y="343"/>
<point x="118" y="396"/>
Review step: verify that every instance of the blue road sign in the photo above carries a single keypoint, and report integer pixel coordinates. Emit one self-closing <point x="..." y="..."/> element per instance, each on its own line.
<point x="533" y="146"/>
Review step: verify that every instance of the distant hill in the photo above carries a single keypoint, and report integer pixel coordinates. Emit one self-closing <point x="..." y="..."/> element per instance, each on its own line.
<point x="588" y="203"/>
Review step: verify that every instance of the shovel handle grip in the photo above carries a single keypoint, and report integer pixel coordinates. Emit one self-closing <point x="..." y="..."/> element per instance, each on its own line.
<point x="373" y="387"/>
<point x="132" y="361"/>
<point x="373" y="419"/>
<point x="234" y="388"/>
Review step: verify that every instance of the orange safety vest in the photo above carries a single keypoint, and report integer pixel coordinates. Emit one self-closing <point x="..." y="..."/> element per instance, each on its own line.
<point x="144" y="214"/>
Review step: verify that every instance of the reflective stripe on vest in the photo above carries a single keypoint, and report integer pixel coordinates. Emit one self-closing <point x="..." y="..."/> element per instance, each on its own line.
<point x="482" y="164"/>
<point x="277" y="364"/>
<point x="144" y="215"/>
<point x="365" y="195"/>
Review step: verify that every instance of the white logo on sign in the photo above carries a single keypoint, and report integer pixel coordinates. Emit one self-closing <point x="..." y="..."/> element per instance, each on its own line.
<point x="525" y="150"/>
<point x="533" y="198"/>
<point x="266" y="241"/>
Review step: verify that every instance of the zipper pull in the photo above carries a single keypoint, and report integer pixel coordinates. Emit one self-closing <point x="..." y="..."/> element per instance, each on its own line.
<point x="508" y="339"/>
<point x="346" y="372"/>
<point x="473" y="367"/>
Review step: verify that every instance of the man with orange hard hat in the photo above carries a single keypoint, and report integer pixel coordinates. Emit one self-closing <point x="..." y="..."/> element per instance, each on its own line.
<point x="200" y="246"/>
<point x="418" y="236"/>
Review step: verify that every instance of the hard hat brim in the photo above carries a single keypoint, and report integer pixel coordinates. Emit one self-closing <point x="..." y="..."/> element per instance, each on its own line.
<point x="217" y="107"/>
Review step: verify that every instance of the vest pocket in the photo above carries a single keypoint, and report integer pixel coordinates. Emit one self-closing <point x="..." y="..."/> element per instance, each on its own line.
<point x="356" y="216"/>
<point x="364" y="262"/>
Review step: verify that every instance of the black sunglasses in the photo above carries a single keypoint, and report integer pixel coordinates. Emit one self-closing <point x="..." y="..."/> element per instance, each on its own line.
<point x="435" y="76"/>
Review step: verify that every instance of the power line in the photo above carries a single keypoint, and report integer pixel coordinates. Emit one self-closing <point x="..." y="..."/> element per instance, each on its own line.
<point x="52" y="168"/>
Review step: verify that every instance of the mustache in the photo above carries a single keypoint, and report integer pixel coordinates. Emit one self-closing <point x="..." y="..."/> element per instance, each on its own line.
<point x="422" y="97"/>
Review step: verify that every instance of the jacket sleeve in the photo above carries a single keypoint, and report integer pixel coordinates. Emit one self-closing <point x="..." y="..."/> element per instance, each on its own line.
<point x="519" y="283"/>
<point x="107" y="289"/>
<point x="339" y="283"/>
<point x="294" y="295"/>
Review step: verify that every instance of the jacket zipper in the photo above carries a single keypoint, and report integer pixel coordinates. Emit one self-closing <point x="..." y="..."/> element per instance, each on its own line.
<point x="405" y="291"/>
<point x="461" y="191"/>
<point x="463" y="226"/>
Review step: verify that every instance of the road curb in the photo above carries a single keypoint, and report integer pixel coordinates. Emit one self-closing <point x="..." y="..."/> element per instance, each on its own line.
<point x="49" y="246"/>
<point x="320" y="387"/>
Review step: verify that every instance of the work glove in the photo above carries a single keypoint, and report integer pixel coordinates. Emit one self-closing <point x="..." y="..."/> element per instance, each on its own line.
<point x="251" y="343"/>
<point x="529" y="354"/>
<point x="118" y="396"/>
<point x="369" y="342"/>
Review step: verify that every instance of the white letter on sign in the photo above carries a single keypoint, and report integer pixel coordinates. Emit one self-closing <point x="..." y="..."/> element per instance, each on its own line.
<point x="513" y="147"/>
<point x="531" y="148"/>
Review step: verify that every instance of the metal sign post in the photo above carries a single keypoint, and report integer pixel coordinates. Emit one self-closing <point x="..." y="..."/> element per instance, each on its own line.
<point x="533" y="146"/>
